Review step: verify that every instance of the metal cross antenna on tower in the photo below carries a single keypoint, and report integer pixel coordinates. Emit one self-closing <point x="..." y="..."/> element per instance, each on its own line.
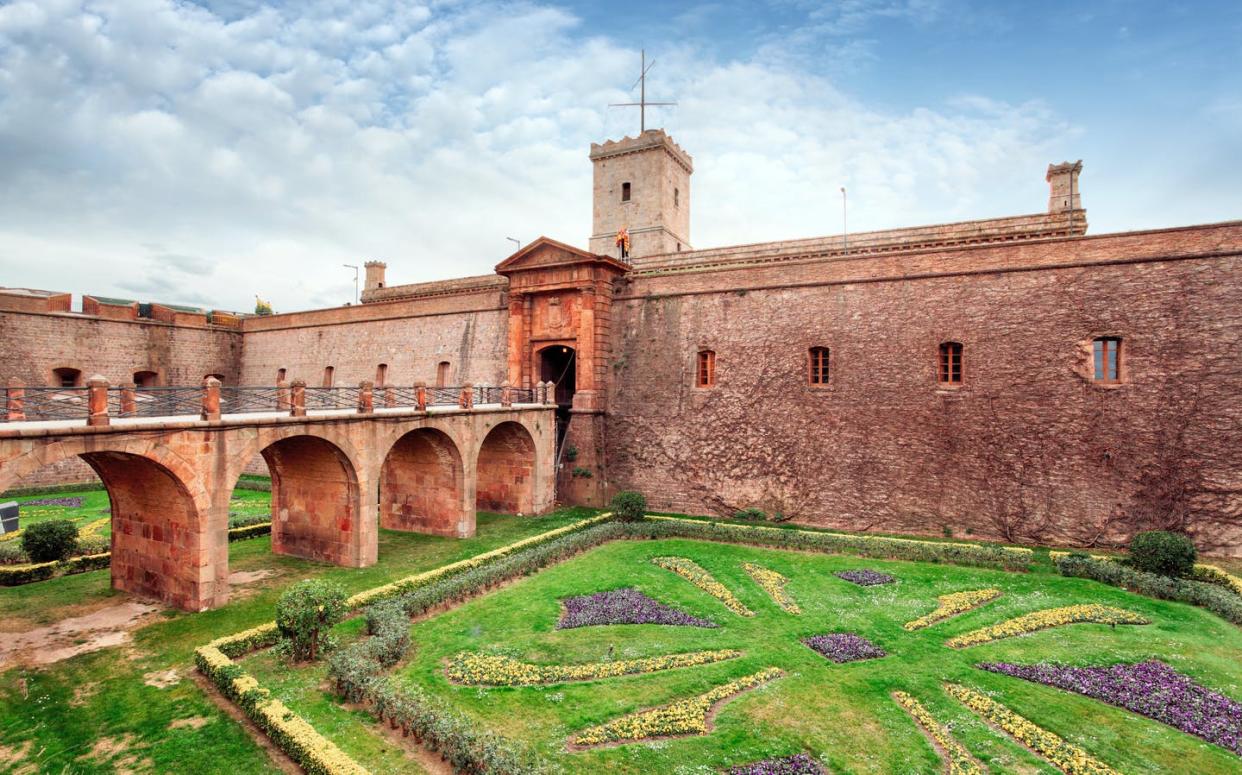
<point x="642" y="95"/>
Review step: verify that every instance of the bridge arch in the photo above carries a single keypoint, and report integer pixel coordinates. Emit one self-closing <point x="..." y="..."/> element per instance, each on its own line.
<point x="506" y="467"/>
<point x="422" y="485"/>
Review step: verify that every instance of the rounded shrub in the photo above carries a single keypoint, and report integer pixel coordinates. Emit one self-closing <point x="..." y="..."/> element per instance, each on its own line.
<point x="1158" y="551"/>
<point x="628" y="506"/>
<point x="305" y="614"/>
<point x="52" y="540"/>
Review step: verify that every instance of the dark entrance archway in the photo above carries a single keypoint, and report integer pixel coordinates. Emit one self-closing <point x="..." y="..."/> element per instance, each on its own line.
<point x="558" y="365"/>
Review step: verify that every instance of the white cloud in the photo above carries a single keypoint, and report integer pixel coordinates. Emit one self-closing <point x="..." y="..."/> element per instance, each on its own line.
<point x="208" y="153"/>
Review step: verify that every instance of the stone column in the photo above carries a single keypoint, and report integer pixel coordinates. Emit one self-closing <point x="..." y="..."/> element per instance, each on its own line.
<point x="390" y="397"/>
<point x="517" y="337"/>
<point x="586" y="341"/>
<point x="211" y="399"/>
<point x="97" y="401"/>
<point x="129" y="401"/>
<point x="17" y="400"/>
<point x="366" y="397"/>
<point x="420" y="396"/>
<point x="297" y="396"/>
<point x="549" y="392"/>
<point x="506" y="395"/>
<point x="467" y="396"/>
<point x="282" y="396"/>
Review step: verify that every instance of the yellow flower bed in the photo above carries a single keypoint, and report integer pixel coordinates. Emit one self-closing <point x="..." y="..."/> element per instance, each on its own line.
<point x="492" y="670"/>
<point x="694" y="573"/>
<point x="396" y="587"/>
<point x="1203" y="571"/>
<point x="1066" y="757"/>
<point x="774" y="584"/>
<point x="960" y="761"/>
<point x="952" y="605"/>
<point x="684" y="717"/>
<point x="93" y="528"/>
<point x="1042" y="620"/>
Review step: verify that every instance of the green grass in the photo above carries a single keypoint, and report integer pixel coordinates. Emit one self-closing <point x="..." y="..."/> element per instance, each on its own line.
<point x="840" y="712"/>
<point x="59" y="713"/>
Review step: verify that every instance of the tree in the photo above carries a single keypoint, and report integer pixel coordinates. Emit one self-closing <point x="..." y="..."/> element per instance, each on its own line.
<point x="305" y="615"/>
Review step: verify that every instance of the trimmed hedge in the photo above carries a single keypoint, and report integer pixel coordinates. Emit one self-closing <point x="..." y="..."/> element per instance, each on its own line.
<point x="1216" y="599"/>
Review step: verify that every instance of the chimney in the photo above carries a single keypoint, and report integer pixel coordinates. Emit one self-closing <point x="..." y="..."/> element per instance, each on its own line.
<point x="1063" y="191"/>
<point x="375" y="275"/>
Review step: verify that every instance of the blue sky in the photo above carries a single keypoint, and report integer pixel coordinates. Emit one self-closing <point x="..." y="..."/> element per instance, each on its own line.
<point x="207" y="152"/>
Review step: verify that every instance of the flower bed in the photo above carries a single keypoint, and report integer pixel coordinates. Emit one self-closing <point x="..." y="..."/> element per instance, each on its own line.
<point x="1066" y="757"/>
<point x="960" y="762"/>
<point x="684" y="717"/>
<point x="798" y="764"/>
<point x="1042" y="620"/>
<point x="1151" y="689"/>
<point x="774" y="584"/>
<point x="953" y="604"/>
<point x="72" y="502"/>
<point x="865" y="577"/>
<point x="694" y="573"/>
<point x="841" y="647"/>
<point x="623" y="606"/>
<point x="497" y="670"/>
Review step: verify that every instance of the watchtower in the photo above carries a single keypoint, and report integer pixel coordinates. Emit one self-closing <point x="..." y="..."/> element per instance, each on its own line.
<point x="642" y="184"/>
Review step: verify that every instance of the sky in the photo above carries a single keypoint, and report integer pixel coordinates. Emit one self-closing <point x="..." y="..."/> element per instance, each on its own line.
<point x="207" y="152"/>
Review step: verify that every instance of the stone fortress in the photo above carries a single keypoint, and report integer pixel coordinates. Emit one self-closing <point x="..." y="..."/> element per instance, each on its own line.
<point x="1010" y="378"/>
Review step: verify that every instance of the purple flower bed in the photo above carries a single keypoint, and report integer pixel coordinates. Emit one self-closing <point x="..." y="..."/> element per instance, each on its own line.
<point x="798" y="764"/>
<point x="623" y="606"/>
<point x="844" y="647"/>
<point x="865" y="577"/>
<point x="1151" y="689"/>
<point x="69" y="503"/>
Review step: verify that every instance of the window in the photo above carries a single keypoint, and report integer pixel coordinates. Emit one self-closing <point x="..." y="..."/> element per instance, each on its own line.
<point x="329" y="374"/>
<point x="219" y="377"/>
<point x="818" y="364"/>
<point x="705" y="376"/>
<point x="625" y="192"/>
<point x="950" y="363"/>
<point x="1107" y="360"/>
<point x="280" y="375"/>
<point x="442" y="374"/>
<point x="66" y="377"/>
<point x="676" y="198"/>
<point x="381" y="374"/>
<point x="146" y="379"/>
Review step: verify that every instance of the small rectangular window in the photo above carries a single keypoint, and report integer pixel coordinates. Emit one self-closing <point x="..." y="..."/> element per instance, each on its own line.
<point x="950" y="372"/>
<point x="818" y="374"/>
<point x="280" y="375"/>
<point x="676" y="198"/>
<point x="442" y="374"/>
<point x="625" y="192"/>
<point x="381" y="374"/>
<point x="1107" y="351"/>
<point x="705" y="375"/>
<point x="329" y="373"/>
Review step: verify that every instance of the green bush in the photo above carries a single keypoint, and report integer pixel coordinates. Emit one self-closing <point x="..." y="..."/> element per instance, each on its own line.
<point x="305" y="614"/>
<point x="1167" y="554"/>
<point x="50" y="541"/>
<point x="1219" y="601"/>
<point x="752" y="514"/>
<point x="12" y="553"/>
<point x="628" y="506"/>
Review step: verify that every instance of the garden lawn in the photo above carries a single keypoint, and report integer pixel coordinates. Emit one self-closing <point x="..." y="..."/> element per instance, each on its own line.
<point x="843" y="713"/>
<point x="94" y="713"/>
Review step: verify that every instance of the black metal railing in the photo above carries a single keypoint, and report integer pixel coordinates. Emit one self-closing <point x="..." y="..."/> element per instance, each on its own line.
<point x="43" y="403"/>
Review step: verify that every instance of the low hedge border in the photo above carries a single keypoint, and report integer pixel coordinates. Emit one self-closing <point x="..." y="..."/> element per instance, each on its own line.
<point x="1203" y="572"/>
<point x="1218" y="599"/>
<point x="17" y="575"/>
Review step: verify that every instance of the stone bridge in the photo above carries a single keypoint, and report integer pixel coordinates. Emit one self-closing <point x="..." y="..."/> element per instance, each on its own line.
<point x="337" y="475"/>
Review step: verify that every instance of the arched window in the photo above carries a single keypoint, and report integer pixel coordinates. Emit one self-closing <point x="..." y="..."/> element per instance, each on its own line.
<point x="66" y="377"/>
<point x="817" y="365"/>
<point x="625" y="192"/>
<point x="1107" y="356"/>
<point x="442" y="374"/>
<point x="146" y="379"/>
<point x="219" y="377"/>
<point x="381" y="374"/>
<point x="705" y="374"/>
<point x="280" y="376"/>
<point x="329" y="375"/>
<point x="950" y="372"/>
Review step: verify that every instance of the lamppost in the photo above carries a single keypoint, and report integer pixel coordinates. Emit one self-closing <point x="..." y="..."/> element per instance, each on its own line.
<point x="515" y="241"/>
<point x="355" y="268"/>
<point x="845" y="231"/>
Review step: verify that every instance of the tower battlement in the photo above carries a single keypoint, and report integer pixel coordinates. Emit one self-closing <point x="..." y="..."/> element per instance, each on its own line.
<point x="642" y="185"/>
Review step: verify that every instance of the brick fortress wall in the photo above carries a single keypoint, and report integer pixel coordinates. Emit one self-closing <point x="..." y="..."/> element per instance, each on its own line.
<point x="1028" y="449"/>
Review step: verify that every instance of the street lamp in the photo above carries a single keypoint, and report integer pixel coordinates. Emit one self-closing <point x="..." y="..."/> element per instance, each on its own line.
<point x="845" y="232"/>
<point x="355" y="268"/>
<point x="515" y="241"/>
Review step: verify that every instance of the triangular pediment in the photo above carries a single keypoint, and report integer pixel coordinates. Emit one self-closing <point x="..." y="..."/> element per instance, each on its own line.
<point x="546" y="252"/>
